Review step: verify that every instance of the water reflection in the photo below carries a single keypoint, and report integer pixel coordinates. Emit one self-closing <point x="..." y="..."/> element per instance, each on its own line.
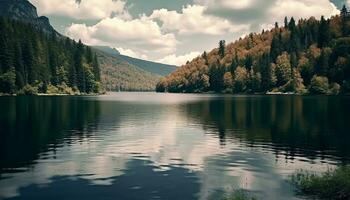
<point x="313" y="127"/>
<point x="30" y="125"/>
<point x="137" y="145"/>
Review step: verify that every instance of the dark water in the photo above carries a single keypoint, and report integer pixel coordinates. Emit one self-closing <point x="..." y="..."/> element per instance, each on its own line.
<point x="166" y="146"/>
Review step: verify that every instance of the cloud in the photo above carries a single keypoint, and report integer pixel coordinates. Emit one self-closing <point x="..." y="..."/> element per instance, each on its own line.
<point x="83" y="9"/>
<point x="348" y="3"/>
<point x="302" y="9"/>
<point x="178" y="60"/>
<point x="131" y="53"/>
<point x="140" y="35"/>
<point x="228" y="4"/>
<point x="193" y="20"/>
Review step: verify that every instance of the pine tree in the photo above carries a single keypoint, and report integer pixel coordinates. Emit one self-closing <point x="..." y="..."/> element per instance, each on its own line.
<point x="285" y="22"/>
<point x="96" y="68"/>
<point x="234" y="63"/>
<point x="324" y="33"/>
<point x="216" y="77"/>
<point x="345" y="18"/>
<point x="222" y="46"/>
<point x="291" y="25"/>
<point x="322" y="65"/>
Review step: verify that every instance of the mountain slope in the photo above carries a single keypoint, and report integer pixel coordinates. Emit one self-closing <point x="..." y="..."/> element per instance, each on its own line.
<point x="117" y="74"/>
<point x="152" y="67"/>
<point x="311" y="56"/>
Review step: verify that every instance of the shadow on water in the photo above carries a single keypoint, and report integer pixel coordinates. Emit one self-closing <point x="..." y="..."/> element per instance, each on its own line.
<point x="139" y="181"/>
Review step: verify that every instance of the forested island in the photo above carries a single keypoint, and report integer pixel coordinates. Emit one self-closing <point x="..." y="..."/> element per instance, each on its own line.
<point x="33" y="61"/>
<point x="308" y="56"/>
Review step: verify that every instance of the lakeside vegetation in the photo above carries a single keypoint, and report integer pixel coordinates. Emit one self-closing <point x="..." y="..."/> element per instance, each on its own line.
<point x="239" y="195"/>
<point x="333" y="184"/>
<point x="308" y="56"/>
<point x="33" y="61"/>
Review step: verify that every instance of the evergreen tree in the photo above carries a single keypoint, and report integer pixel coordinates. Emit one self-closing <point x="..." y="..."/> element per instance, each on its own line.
<point x="234" y="63"/>
<point x="322" y="64"/>
<point x="216" y="77"/>
<point x="205" y="57"/>
<point x="222" y="46"/>
<point x="291" y="25"/>
<point x="345" y="18"/>
<point x="37" y="60"/>
<point x="324" y="33"/>
<point x="286" y="22"/>
<point x="96" y="68"/>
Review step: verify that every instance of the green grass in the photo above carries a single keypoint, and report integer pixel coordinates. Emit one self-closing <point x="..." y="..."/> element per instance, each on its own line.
<point x="333" y="184"/>
<point x="239" y="195"/>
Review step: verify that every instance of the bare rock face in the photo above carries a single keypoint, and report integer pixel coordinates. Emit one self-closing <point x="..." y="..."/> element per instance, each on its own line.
<point x="23" y="10"/>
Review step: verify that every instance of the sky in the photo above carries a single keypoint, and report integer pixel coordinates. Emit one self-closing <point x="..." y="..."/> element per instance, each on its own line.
<point x="173" y="31"/>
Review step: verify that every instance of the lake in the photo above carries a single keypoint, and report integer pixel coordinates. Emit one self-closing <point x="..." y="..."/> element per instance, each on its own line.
<point x="167" y="146"/>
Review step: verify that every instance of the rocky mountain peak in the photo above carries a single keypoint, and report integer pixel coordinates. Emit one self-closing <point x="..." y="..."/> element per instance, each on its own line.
<point x="23" y="10"/>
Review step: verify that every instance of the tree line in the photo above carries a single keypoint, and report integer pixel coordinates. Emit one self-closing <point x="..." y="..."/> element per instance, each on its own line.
<point x="308" y="56"/>
<point x="32" y="61"/>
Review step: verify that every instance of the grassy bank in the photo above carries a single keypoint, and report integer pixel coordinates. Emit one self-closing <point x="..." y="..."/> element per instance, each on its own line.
<point x="333" y="184"/>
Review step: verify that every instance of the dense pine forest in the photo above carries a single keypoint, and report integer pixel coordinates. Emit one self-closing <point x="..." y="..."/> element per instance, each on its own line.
<point x="308" y="56"/>
<point x="32" y="61"/>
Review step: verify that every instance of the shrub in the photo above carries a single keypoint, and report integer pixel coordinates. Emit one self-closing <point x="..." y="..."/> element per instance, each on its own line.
<point x="333" y="184"/>
<point x="51" y="89"/>
<point x="319" y="85"/>
<point x="63" y="88"/>
<point x="334" y="88"/>
<point x="28" y="90"/>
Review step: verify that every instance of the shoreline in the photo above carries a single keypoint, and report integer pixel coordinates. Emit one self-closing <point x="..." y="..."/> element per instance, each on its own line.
<point x="212" y="93"/>
<point x="43" y="95"/>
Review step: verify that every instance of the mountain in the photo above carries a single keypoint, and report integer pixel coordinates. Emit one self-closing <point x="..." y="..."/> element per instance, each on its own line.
<point x="152" y="67"/>
<point x="118" y="75"/>
<point x="24" y="11"/>
<point x="311" y="56"/>
<point x="108" y="50"/>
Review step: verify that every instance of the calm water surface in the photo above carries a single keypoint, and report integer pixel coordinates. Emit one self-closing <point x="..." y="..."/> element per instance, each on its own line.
<point x="166" y="146"/>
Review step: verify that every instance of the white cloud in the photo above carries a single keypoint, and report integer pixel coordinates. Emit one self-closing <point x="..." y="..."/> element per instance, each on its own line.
<point x="349" y="3"/>
<point x="178" y="60"/>
<point x="193" y="20"/>
<point x="302" y="9"/>
<point x="86" y="9"/>
<point x="131" y="53"/>
<point x="228" y="4"/>
<point x="141" y="35"/>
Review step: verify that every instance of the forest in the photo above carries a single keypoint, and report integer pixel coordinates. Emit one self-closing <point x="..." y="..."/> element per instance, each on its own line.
<point x="310" y="56"/>
<point x="32" y="61"/>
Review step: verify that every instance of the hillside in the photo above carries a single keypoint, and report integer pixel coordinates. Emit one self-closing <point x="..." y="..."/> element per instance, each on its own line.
<point x="152" y="67"/>
<point x="311" y="56"/>
<point x="117" y="74"/>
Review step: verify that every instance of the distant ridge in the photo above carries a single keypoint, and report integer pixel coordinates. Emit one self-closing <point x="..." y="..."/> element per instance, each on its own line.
<point x="149" y="66"/>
